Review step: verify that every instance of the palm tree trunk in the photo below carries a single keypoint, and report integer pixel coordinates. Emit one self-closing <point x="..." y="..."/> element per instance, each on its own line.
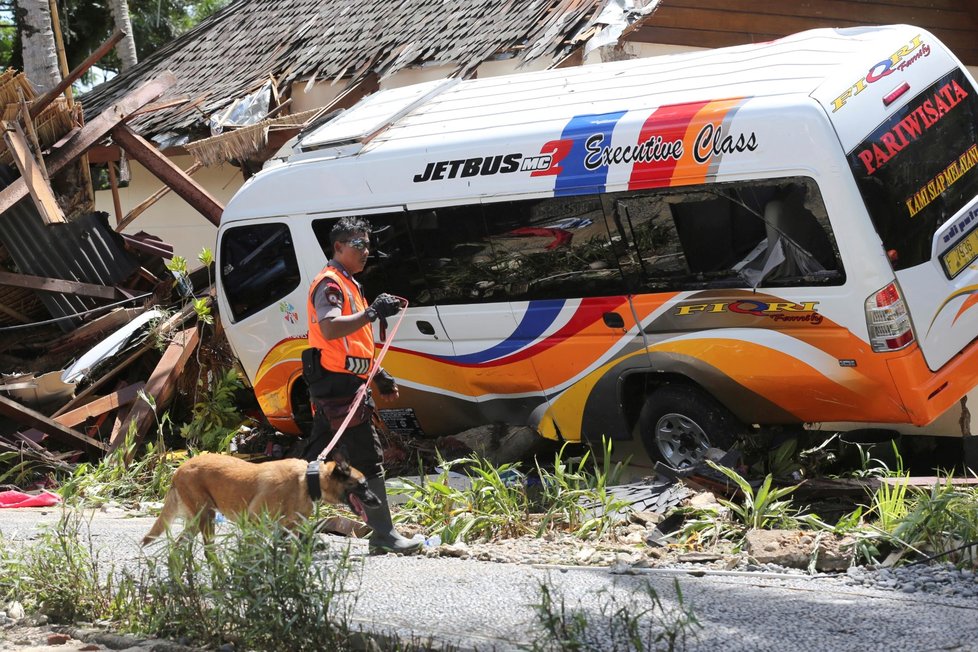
<point x="126" y="47"/>
<point x="38" y="46"/>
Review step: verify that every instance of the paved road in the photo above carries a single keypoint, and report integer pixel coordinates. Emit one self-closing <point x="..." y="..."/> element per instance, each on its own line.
<point x="482" y="605"/>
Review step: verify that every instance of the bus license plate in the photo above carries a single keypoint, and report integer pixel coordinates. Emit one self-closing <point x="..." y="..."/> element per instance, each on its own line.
<point x="961" y="255"/>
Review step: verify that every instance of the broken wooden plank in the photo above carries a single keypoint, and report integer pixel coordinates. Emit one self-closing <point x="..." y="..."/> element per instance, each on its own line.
<point x="38" y="454"/>
<point x="15" y="315"/>
<point x="93" y="329"/>
<point x="91" y="133"/>
<point x="147" y="246"/>
<point x="152" y="199"/>
<point x="41" y="103"/>
<point x="31" y="174"/>
<point x="174" y="322"/>
<point x="160" y="386"/>
<point x="116" y="200"/>
<point x="100" y="406"/>
<point x="21" y="414"/>
<point x="32" y="135"/>
<point x="59" y="286"/>
<point x="169" y="173"/>
<point x="928" y="481"/>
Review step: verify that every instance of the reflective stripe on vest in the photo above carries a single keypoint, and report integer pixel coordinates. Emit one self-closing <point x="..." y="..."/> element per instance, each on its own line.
<point x="353" y="353"/>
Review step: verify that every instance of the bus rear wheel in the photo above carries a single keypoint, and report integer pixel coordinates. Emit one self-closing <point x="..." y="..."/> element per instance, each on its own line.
<point x="678" y="424"/>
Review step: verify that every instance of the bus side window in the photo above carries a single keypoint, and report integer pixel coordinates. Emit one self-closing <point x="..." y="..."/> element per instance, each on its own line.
<point x="726" y="235"/>
<point x="557" y="248"/>
<point x="258" y="267"/>
<point x="455" y="254"/>
<point x="518" y="250"/>
<point x="650" y="253"/>
<point x="796" y="246"/>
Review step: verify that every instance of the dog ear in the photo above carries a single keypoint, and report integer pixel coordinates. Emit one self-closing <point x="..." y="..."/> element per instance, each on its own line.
<point x="341" y="468"/>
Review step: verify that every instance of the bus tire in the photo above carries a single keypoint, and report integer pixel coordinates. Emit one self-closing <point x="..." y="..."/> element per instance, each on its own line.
<point x="678" y="423"/>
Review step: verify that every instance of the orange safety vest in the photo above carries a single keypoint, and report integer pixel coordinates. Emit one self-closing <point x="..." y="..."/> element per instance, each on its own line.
<point x="354" y="353"/>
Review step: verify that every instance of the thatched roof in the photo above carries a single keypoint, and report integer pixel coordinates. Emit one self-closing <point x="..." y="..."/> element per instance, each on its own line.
<point x="240" y="47"/>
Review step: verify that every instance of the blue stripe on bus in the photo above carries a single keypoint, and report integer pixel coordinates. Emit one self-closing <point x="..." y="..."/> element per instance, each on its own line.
<point x="575" y="179"/>
<point x="538" y="318"/>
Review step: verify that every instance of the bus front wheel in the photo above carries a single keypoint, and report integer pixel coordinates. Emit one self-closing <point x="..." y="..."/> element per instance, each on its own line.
<point x="678" y="424"/>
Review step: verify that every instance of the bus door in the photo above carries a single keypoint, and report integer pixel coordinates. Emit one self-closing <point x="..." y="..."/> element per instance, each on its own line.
<point x="393" y="268"/>
<point x="470" y="284"/>
<point x="545" y="311"/>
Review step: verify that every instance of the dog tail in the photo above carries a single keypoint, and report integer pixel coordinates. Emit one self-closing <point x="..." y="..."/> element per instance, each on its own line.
<point x="171" y="508"/>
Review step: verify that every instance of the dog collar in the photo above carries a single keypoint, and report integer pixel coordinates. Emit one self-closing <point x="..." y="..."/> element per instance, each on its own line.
<point x="312" y="480"/>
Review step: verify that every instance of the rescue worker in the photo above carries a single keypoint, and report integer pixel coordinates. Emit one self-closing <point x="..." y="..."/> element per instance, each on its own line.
<point x="337" y="364"/>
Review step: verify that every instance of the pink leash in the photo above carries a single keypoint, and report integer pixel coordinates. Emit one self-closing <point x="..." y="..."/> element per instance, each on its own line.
<point x="362" y="392"/>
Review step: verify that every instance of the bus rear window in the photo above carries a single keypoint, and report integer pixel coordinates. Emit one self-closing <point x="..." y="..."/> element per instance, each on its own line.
<point x="920" y="167"/>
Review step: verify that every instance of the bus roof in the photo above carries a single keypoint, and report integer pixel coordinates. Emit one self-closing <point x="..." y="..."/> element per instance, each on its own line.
<point x="797" y="64"/>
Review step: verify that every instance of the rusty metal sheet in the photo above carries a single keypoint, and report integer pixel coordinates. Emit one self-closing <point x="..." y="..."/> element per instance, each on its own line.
<point x="84" y="250"/>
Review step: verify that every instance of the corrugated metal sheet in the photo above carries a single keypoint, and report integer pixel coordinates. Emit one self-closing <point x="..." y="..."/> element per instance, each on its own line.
<point x="84" y="250"/>
<point x="237" y="49"/>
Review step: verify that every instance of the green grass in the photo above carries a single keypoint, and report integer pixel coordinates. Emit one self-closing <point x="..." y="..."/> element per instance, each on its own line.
<point x="645" y="622"/>
<point x="499" y="503"/>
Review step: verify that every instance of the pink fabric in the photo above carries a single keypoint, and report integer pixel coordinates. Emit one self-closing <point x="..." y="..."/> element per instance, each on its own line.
<point x="18" y="499"/>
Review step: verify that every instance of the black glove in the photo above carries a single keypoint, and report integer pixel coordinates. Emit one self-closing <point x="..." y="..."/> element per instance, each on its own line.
<point x="385" y="382"/>
<point x="383" y="306"/>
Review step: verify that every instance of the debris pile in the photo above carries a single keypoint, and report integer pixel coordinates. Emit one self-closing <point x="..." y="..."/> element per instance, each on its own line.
<point x="95" y="329"/>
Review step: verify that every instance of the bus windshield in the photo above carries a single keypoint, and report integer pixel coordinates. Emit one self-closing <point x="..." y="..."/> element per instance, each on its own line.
<point x="920" y="167"/>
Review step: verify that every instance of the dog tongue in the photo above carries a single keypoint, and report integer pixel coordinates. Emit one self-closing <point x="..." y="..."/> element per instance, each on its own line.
<point x="357" y="506"/>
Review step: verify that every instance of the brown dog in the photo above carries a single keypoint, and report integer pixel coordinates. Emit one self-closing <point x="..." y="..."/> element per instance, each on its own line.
<point x="209" y="483"/>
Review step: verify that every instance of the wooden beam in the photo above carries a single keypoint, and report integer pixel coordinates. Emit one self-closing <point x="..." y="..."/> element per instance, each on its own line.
<point x="91" y="330"/>
<point x="103" y="154"/>
<point x="161" y="386"/>
<point x="60" y="286"/>
<point x="41" y="103"/>
<point x="32" y="175"/>
<point x="100" y="406"/>
<point x="166" y="171"/>
<point x="114" y="183"/>
<point x="152" y="199"/>
<point x="20" y="414"/>
<point x="32" y="134"/>
<point x="90" y="134"/>
<point x="15" y="315"/>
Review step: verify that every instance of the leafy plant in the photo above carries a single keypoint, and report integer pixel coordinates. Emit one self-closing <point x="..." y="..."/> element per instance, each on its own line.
<point x="58" y="575"/>
<point x="120" y="476"/>
<point x="17" y="470"/>
<point x="942" y="522"/>
<point x="890" y="503"/>
<point x="206" y="257"/>
<point x="578" y="499"/>
<point x="761" y="509"/>
<point x="202" y="307"/>
<point x="177" y="265"/>
<point x="266" y="590"/>
<point x="216" y="418"/>
<point x="497" y="503"/>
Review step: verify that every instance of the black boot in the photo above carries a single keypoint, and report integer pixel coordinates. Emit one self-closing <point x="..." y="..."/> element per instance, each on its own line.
<point x="384" y="537"/>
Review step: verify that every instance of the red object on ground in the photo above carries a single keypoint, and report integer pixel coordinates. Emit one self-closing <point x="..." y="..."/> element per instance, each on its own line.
<point x="18" y="499"/>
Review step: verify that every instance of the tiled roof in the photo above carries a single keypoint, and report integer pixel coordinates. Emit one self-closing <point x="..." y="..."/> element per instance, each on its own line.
<point x="237" y="49"/>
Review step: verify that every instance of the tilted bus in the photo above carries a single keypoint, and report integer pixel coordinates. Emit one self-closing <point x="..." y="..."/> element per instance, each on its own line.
<point x="672" y="248"/>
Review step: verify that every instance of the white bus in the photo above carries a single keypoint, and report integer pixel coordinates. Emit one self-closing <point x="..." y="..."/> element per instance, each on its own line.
<point x="671" y="248"/>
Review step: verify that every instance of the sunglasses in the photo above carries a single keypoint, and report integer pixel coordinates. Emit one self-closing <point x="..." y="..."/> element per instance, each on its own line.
<point x="359" y="243"/>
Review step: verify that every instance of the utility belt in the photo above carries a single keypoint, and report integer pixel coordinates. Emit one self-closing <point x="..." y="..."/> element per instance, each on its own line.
<point x="315" y="374"/>
<point x="333" y="392"/>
